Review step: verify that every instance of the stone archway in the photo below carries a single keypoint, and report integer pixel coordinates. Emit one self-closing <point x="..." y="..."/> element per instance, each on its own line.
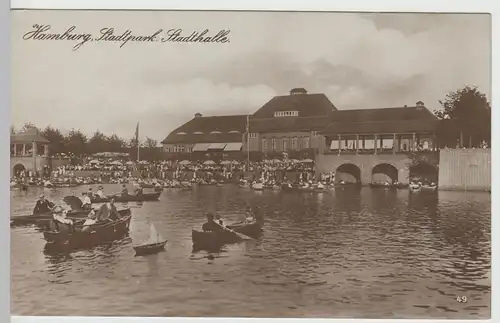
<point x="18" y="169"/>
<point x="424" y="171"/>
<point x="349" y="173"/>
<point x="383" y="173"/>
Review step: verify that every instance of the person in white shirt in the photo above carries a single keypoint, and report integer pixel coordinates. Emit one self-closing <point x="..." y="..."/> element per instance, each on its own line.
<point x="86" y="201"/>
<point x="89" y="221"/>
<point x="60" y="216"/>
<point x="100" y="192"/>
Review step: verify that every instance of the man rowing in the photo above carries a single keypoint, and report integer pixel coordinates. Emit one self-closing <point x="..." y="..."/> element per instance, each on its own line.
<point x="108" y="211"/>
<point x="43" y="205"/>
<point x="211" y="225"/>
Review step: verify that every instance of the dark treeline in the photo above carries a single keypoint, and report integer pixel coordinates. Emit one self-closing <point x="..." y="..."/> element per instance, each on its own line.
<point x="465" y="117"/>
<point x="78" y="144"/>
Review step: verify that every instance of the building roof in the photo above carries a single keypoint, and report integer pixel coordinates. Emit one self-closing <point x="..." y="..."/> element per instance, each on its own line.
<point x="212" y="129"/>
<point x="308" y="105"/>
<point x="288" y="124"/>
<point x="28" y="136"/>
<point x="387" y="120"/>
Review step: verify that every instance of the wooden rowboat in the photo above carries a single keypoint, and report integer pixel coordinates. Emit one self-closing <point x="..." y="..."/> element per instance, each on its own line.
<point x="210" y="239"/>
<point x="43" y="219"/>
<point x="76" y="236"/>
<point x="213" y="239"/>
<point x="130" y="198"/>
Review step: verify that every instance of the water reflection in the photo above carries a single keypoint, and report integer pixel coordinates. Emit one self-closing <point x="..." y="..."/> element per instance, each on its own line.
<point x="345" y="252"/>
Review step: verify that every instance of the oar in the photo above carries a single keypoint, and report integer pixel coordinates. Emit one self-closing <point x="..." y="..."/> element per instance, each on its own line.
<point x="240" y="235"/>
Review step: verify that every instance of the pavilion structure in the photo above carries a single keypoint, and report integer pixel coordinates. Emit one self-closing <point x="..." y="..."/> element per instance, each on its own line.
<point x="29" y="152"/>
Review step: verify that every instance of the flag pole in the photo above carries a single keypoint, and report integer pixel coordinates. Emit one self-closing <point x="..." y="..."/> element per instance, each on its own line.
<point x="248" y="142"/>
<point x="137" y="140"/>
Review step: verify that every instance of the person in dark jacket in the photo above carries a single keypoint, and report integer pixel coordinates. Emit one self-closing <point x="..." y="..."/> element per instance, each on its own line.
<point x="211" y="225"/>
<point x="108" y="211"/>
<point x="43" y="205"/>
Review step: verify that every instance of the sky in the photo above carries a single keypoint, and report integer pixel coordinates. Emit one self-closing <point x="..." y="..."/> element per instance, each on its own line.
<point x="358" y="60"/>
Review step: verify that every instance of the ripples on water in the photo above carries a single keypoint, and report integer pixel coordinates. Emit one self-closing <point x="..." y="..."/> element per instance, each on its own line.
<point x="366" y="253"/>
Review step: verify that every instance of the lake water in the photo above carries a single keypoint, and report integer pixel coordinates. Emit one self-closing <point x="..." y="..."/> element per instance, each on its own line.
<point x="366" y="253"/>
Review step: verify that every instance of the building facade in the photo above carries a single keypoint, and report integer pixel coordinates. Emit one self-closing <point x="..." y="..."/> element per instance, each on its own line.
<point x="29" y="152"/>
<point x="364" y="145"/>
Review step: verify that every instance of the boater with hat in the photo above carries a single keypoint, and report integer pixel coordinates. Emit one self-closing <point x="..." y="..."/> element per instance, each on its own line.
<point x="211" y="225"/>
<point x="43" y="205"/>
<point x="60" y="215"/>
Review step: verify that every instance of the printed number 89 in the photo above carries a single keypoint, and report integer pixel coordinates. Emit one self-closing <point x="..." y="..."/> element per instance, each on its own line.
<point x="462" y="299"/>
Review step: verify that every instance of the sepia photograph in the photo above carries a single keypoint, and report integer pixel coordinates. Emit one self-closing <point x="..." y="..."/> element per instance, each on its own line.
<point x="260" y="164"/>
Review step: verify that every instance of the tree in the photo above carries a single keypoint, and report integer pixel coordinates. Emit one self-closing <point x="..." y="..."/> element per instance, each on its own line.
<point x="115" y="143"/>
<point x="76" y="143"/>
<point x="56" y="139"/>
<point x="133" y="143"/>
<point x="27" y="126"/>
<point x="12" y="130"/>
<point x="151" y="142"/>
<point x="467" y="112"/>
<point x="98" y="143"/>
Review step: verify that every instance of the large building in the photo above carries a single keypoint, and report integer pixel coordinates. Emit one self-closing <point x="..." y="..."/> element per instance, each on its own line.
<point x="304" y="125"/>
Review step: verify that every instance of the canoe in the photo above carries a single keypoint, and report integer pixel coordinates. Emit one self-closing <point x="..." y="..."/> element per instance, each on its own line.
<point x="130" y="198"/>
<point x="43" y="219"/>
<point x="150" y="248"/>
<point x="73" y="235"/>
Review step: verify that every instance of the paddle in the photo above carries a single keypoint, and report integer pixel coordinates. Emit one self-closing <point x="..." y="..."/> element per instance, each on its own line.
<point x="240" y="235"/>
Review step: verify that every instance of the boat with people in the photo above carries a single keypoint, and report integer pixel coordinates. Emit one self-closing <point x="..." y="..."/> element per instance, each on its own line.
<point x="303" y="187"/>
<point x="415" y="187"/>
<point x="215" y="234"/>
<point x="153" y="196"/>
<point x="80" y="233"/>
<point x="257" y="186"/>
<point x="431" y="187"/>
<point x="44" y="210"/>
<point x="154" y="244"/>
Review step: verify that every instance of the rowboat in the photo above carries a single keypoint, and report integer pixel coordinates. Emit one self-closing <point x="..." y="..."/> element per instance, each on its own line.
<point x="43" y="219"/>
<point x="382" y="185"/>
<point x="212" y="239"/>
<point x="75" y="236"/>
<point x="415" y="187"/>
<point x="130" y="198"/>
<point x="155" y="243"/>
<point x="258" y="186"/>
<point x="209" y="239"/>
<point x="429" y="188"/>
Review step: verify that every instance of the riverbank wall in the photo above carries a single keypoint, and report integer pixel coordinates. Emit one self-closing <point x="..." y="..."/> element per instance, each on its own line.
<point x="465" y="169"/>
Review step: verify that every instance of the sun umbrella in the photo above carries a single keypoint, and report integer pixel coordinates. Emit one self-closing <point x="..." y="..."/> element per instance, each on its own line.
<point x="94" y="161"/>
<point x="307" y="161"/>
<point x="130" y="162"/>
<point x="185" y="162"/>
<point x="225" y="162"/>
<point x="235" y="162"/>
<point x="276" y="161"/>
<point x="209" y="162"/>
<point x="143" y="162"/>
<point x="116" y="162"/>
